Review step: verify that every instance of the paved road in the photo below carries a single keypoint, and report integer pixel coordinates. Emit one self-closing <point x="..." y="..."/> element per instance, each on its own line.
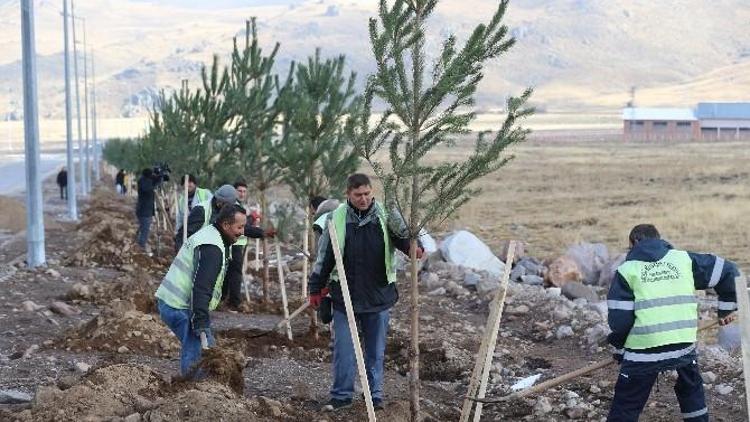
<point x="13" y="175"/>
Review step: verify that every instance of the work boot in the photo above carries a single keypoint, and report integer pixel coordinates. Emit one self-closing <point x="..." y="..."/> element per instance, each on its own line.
<point x="336" y="404"/>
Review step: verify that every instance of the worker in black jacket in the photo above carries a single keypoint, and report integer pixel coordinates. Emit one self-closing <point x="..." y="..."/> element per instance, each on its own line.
<point x="204" y="214"/>
<point x="144" y="208"/>
<point x="653" y="314"/>
<point x="368" y="236"/>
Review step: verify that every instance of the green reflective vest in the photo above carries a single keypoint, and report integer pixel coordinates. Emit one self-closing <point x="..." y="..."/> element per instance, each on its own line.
<point x="201" y="195"/>
<point x="666" y="310"/>
<point x="339" y="221"/>
<point x="176" y="290"/>
<point x="322" y="221"/>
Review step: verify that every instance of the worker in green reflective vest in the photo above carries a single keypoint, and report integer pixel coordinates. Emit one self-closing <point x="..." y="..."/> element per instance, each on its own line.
<point x="196" y="195"/>
<point x="653" y="314"/>
<point x="192" y="286"/>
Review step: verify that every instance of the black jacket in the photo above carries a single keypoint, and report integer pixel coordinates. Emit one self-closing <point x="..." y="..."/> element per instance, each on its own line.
<point x="207" y="269"/>
<point x="146" y="195"/>
<point x="62" y="178"/>
<point x="364" y="262"/>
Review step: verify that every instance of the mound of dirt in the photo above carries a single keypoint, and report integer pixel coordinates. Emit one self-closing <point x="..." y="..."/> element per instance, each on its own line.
<point x="117" y="390"/>
<point x="223" y="366"/>
<point x="123" y="329"/>
<point x="138" y="288"/>
<point x="438" y="361"/>
<point x="107" y="234"/>
<point x="206" y="402"/>
<point x="12" y="214"/>
<point x="272" y="344"/>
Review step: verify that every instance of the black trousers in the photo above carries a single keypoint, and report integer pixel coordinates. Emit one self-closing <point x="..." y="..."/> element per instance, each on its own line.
<point x="63" y="191"/>
<point x="231" y="290"/>
<point x="632" y="391"/>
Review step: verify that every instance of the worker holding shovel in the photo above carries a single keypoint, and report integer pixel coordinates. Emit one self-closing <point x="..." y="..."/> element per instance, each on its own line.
<point x="653" y="314"/>
<point x="367" y="241"/>
<point x="192" y="286"/>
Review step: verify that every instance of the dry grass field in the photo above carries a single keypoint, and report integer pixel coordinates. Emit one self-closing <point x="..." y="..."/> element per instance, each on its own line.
<point x="556" y="193"/>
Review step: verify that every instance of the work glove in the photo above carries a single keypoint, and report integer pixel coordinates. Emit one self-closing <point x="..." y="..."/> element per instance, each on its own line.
<point x="316" y="298"/>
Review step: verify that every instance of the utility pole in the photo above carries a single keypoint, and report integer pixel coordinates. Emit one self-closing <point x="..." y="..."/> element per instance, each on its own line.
<point x="86" y="107"/>
<point x="71" y="188"/>
<point x="78" y="103"/>
<point x="93" y="120"/>
<point x="34" y="218"/>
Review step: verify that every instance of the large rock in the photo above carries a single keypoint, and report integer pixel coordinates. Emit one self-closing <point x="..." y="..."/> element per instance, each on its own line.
<point x="464" y="249"/>
<point x="520" y="251"/>
<point x="561" y="271"/>
<point x="532" y="266"/>
<point x="14" y="397"/>
<point x="574" y="290"/>
<point x="428" y="242"/>
<point x="591" y="259"/>
<point x="730" y="338"/>
<point x="608" y="272"/>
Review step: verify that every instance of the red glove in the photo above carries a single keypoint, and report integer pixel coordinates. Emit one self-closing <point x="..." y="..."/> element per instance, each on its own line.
<point x="255" y="215"/>
<point x="316" y="298"/>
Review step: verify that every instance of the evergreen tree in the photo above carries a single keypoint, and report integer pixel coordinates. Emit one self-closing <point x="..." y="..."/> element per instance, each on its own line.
<point x="427" y="108"/>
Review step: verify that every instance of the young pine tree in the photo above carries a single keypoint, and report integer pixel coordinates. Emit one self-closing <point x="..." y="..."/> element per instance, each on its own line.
<point x="427" y="108"/>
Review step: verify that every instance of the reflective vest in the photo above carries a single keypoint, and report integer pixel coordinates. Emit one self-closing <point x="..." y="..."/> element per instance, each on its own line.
<point x="208" y="211"/>
<point x="339" y="221"/>
<point x="176" y="290"/>
<point x="666" y="310"/>
<point x="201" y="195"/>
<point x="322" y="221"/>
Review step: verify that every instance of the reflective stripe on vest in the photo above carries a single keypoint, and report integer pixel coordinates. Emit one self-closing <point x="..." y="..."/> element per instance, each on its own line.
<point x="176" y="290"/>
<point x="322" y="222"/>
<point x="666" y="311"/>
<point x="339" y="221"/>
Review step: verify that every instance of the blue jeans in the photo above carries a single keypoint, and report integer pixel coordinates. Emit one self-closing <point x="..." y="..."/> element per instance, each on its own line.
<point x="373" y="328"/>
<point x="144" y="226"/>
<point x="632" y="391"/>
<point x="178" y="320"/>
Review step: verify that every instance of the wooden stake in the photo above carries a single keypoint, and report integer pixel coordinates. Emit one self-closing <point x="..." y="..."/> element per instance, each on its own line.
<point x="294" y="314"/>
<point x="562" y="379"/>
<point x="244" y="277"/>
<point x="204" y="341"/>
<point x="185" y="214"/>
<point x="306" y="251"/>
<point x="280" y="269"/>
<point x="352" y="322"/>
<point x="743" y="306"/>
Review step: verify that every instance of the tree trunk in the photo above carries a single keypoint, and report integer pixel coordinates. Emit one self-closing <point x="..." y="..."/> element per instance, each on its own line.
<point x="266" y="270"/>
<point x="414" y="349"/>
<point x="307" y="242"/>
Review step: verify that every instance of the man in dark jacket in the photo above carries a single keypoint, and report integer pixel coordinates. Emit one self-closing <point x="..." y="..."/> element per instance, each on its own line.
<point x="204" y="214"/>
<point x="653" y="314"/>
<point x="62" y="182"/>
<point x="192" y="286"/>
<point x="368" y="236"/>
<point x="144" y="208"/>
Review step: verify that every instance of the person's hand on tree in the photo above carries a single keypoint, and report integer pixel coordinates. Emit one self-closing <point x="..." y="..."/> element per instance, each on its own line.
<point x="419" y="252"/>
<point x="728" y="319"/>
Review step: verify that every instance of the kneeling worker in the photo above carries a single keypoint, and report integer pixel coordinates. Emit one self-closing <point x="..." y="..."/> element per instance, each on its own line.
<point x="653" y="314"/>
<point x="192" y="286"/>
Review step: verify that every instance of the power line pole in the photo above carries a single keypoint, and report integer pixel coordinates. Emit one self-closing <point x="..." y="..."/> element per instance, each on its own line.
<point x="86" y="107"/>
<point x="71" y="188"/>
<point x="78" y="103"/>
<point x="34" y="218"/>
<point x="97" y="151"/>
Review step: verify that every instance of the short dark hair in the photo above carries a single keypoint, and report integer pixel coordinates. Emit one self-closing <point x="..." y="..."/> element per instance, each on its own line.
<point x="643" y="232"/>
<point x="240" y="182"/>
<point x="191" y="178"/>
<point x="227" y="214"/>
<point x="357" y="180"/>
<point x="147" y="172"/>
<point x="315" y="201"/>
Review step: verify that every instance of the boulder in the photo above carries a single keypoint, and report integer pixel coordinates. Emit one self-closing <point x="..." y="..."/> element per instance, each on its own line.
<point x="591" y="259"/>
<point x="471" y="278"/>
<point x="532" y="280"/>
<point x="62" y="308"/>
<point x="520" y="251"/>
<point x="14" y="397"/>
<point x="730" y="338"/>
<point x="576" y="290"/>
<point x="464" y="249"/>
<point x="561" y="271"/>
<point x="517" y="272"/>
<point x="564" y="331"/>
<point x="428" y="242"/>
<point x="532" y="266"/>
<point x="608" y="272"/>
